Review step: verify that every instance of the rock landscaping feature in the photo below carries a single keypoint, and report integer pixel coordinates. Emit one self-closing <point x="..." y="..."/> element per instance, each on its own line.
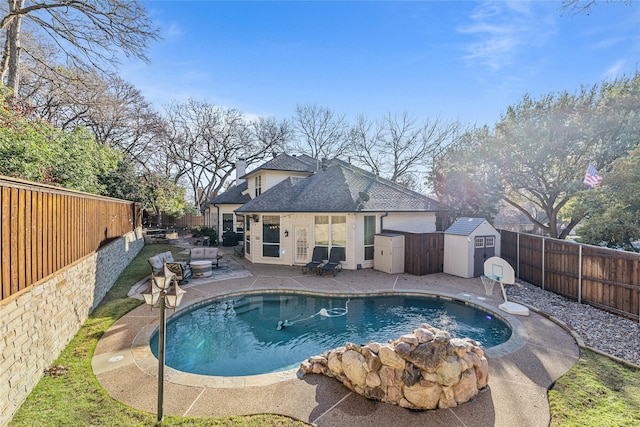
<point x="425" y="369"/>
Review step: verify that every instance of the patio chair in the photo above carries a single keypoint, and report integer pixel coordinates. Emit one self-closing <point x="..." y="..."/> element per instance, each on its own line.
<point x="181" y="270"/>
<point x="316" y="261"/>
<point x="334" y="265"/>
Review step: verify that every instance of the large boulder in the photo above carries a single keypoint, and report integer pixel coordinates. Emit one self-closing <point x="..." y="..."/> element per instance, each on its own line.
<point x="426" y="369"/>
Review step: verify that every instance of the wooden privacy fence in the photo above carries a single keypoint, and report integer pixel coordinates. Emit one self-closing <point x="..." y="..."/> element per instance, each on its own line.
<point x="423" y="252"/>
<point x="45" y="228"/>
<point x="602" y="277"/>
<point x="188" y="220"/>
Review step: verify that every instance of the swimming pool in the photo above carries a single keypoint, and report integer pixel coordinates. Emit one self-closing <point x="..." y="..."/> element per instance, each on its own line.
<point x="263" y="333"/>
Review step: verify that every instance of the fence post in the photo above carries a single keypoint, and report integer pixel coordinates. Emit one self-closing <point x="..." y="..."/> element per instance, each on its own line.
<point x="543" y="240"/>
<point x="580" y="274"/>
<point x="518" y="255"/>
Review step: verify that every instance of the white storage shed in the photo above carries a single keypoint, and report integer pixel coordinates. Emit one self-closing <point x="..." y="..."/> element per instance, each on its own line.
<point x="468" y="243"/>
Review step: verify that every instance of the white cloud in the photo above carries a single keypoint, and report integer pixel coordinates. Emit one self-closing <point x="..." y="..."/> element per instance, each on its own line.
<point x="173" y="31"/>
<point x="615" y="70"/>
<point x="500" y="30"/>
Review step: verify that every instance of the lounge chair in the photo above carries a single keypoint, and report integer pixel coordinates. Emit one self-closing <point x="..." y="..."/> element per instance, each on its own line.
<point x="334" y="265"/>
<point x="316" y="261"/>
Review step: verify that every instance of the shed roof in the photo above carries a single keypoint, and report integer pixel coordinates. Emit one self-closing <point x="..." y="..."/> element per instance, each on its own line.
<point x="465" y="226"/>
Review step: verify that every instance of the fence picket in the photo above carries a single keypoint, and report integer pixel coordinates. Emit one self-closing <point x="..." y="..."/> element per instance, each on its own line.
<point x="602" y="277"/>
<point x="44" y="228"/>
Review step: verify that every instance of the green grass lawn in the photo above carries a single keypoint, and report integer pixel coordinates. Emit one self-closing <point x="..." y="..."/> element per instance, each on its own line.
<point x="596" y="392"/>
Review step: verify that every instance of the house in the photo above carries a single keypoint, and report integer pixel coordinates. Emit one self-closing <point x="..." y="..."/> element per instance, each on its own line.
<point x="298" y="202"/>
<point x="218" y="212"/>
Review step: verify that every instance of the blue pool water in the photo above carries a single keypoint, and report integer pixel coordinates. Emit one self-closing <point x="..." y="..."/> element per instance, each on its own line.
<point x="241" y="336"/>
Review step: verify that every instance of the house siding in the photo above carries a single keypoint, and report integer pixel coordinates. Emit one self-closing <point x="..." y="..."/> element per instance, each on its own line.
<point x="270" y="179"/>
<point x="412" y="222"/>
<point x="291" y="221"/>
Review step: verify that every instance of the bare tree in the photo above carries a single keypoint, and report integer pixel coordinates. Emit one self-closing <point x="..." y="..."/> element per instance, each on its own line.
<point x="398" y="148"/>
<point x="365" y="136"/>
<point x="88" y="32"/>
<point x="269" y="132"/>
<point x="114" y="110"/>
<point x="585" y="6"/>
<point x="322" y="133"/>
<point x="206" y="140"/>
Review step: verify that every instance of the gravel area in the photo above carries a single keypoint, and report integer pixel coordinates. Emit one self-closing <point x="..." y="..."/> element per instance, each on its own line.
<point x="599" y="329"/>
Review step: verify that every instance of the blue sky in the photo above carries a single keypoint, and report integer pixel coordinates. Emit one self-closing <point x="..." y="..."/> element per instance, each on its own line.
<point x="453" y="60"/>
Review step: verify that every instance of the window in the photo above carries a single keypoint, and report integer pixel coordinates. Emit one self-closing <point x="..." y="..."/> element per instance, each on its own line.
<point x="258" y="185"/>
<point x="479" y="242"/>
<point x="240" y="227"/>
<point x="227" y="222"/>
<point x="247" y="235"/>
<point x="321" y="233"/>
<point x="490" y="241"/>
<point x="271" y="236"/>
<point x="369" y="235"/>
<point x="330" y="231"/>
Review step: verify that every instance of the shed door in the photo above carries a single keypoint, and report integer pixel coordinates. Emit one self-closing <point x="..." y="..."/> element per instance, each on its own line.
<point x="485" y="248"/>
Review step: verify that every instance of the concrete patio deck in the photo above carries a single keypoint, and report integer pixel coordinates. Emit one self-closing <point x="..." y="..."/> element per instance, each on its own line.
<point x="520" y="371"/>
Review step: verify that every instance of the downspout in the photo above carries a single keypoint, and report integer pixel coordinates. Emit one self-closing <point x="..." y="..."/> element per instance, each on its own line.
<point x="382" y="221"/>
<point x="217" y="225"/>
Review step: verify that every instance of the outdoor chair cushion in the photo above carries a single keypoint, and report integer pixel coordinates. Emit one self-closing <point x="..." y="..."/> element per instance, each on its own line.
<point x="205" y="254"/>
<point x="157" y="261"/>
<point x="157" y="264"/>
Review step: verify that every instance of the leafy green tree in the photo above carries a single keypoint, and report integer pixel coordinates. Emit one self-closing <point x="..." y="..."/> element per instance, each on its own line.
<point x="33" y="150"/>
<point x="159" y="193"/>
<point x="460" y="179"/>
<point x="540" y="149"/>
<point x="614" y="209"/>
<point x="123" y="182"/>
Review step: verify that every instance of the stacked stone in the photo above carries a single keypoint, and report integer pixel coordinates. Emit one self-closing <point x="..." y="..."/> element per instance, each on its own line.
<point x="426" y="369"/>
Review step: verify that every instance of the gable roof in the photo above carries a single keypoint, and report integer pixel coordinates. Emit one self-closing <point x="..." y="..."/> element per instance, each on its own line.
<point x="233" y="196"/>
<point x="464" y="226"/>
<point x="340" y="188"/>
<point x="285" y="162"/>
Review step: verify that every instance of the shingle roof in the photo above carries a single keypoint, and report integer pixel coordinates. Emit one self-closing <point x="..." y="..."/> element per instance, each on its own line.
<point x="464" y="226"/>
<point x="233" y="196"/>
<point x="285" y="162"/>
<point x="340" y="188"/>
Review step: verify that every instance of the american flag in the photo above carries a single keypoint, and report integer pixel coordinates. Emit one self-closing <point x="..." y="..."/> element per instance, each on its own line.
<point x="592" y="178"/>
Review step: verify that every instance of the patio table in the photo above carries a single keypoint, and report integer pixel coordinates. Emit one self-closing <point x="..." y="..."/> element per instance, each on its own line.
<point x="201" y="268"/>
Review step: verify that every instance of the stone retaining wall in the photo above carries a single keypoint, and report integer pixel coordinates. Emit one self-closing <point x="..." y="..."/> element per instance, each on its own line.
<point x="38" y="323"/>
<point x="422" y="370"/>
